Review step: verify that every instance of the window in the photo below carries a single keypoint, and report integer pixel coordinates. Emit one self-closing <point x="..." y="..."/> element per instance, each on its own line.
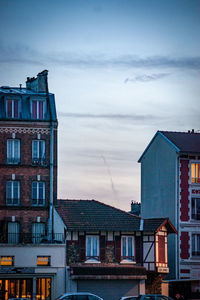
<point x="43" y="260"/>
<point x="12" y="192"/>
<point x="12" y="108"/>
<point x="38" y="152"/>
<point x="196" y="208"/>
<point x="92" y="247"/>
<point x="195" y="173"/>
<point x="37" y="109"/>
<point x="195" y="244"/>
<point x="13" y="232"/>
<point x="127" y="248"/>
<point x="38" y="193"/>
<point x="13" y="151"/>
<point x="38" y="232"/>
<point x="6" y="260"/>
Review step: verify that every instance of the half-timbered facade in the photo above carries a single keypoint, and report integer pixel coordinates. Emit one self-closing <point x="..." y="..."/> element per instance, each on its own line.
<point x="111" y="252"/>
<point x="170" y="186"/>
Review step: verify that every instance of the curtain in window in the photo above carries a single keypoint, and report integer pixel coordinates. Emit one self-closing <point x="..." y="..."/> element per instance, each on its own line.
<point x="9" y="108"/>
<point x="89" y="243"/>
<point x="40" y="110"/>
<point x="34" y="109"/>
<point x="16" y="109"/>
<point x="13" y="232"/>
<point x="38" y="232"/>
<point x="130" y="247"/>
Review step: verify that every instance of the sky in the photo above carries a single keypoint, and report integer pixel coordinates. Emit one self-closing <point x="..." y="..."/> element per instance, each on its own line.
<point x="120" y="71"/>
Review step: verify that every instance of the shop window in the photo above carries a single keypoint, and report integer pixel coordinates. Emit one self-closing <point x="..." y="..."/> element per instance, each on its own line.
<point x="6" y="260"/>
<point x="92" y="247"/>
<point x="43" y="260"/>
<point x="195" y="172"/>
<point x="13" y="151"/>
<point x="38" y="152"/>
<point x="12" y="108"/>
<point x="43" y="288"/>
<point x="127" y="248"/>
<point x="12" y="192"/>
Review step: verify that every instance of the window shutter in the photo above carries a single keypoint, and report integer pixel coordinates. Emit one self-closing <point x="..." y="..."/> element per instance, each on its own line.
<point x="102" y="248"/>
<point x="118" y="248"/>
<point x="138" y="249"/>
<point x="82" y="247"/>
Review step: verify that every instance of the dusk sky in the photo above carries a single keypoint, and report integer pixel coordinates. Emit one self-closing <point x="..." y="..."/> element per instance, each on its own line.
<point x="120" y="71"/>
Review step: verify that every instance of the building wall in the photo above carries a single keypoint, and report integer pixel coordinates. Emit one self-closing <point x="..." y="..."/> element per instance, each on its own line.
<point x="158" y="188"/>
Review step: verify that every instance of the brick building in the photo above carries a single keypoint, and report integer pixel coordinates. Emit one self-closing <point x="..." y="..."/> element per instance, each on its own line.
<point x="170" y="186"/>
<point x="110" y="252"/>
<point x="28" y="188"/>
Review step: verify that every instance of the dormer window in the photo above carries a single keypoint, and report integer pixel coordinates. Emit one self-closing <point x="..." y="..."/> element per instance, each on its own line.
<point x="12" y="108"/>
<point x="37" y="109"/>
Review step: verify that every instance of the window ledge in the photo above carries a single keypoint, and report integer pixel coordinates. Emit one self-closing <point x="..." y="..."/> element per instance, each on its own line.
<point x="127" y="261"/>
<point x="92" y="261"/>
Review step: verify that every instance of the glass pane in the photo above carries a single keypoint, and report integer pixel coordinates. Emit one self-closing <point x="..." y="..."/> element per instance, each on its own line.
<point x="9" y="108"/>
<point x="41" y="190"/>
<point x="34" y="190"/>
<point x="34" y="109"/>
<point x="16" y="149"/>
<point x="16" y="109"/>
<point x="9" y="148"/>
<point x="40" y="110"/>
<point x="123" y="246"/>
<point x="95" y="246"/>
<point x="88" y="246"/>
<point x="16" y="189"/>
<point x="9" y="189"/>
<point x="35" y="149"/>
<point x="130" y="246"/>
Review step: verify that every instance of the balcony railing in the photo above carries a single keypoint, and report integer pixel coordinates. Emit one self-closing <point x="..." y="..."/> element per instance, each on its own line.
<point x="31" y="238"/>
<point x="38" y="161"/>
<point x="13" y="160"/>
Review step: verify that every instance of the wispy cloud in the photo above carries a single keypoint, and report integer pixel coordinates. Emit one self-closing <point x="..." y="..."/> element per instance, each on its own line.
<point x="23" y="54"/>
<point x="131" y="117"/>
<point x="146" y="78"/>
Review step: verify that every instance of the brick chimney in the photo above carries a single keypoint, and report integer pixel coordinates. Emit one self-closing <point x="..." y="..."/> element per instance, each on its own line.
<point x="38" y="84"/>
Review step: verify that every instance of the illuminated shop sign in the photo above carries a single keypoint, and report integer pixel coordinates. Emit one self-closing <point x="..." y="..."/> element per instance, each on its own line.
<point x="43" y="260"/>
<point x="6" y="260"/>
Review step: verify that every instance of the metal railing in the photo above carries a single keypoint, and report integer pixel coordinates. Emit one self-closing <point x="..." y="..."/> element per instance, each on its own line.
<point x="32" y="238"/>
<point x="196" y="216"/>
<point x="13" y="160"/>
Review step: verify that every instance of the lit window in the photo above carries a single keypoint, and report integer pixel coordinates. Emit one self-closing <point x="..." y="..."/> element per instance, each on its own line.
<point x="38" y="152"/>
<point x="43" y="260"/>
<point x="37" y="109"/>
<point x="38" y="232"/>
<point x="38" y="193"/>
<point x="12" y="108"/>
<point x="12" y="192"/>
<point x="195" y="173"/>
<point x="92" y="247"/>
<point x="196" y="208"/>
<point x="13" y="151"/>
<point x="195" y="244"/>
<point x="6" y="260"/>
<point x="127" y="247"/>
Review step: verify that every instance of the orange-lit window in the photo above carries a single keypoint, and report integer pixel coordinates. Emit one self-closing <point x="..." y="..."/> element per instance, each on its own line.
<point x="195" y="173"/>
<point x="43" y="260"/>
<point x="6" y="260"/>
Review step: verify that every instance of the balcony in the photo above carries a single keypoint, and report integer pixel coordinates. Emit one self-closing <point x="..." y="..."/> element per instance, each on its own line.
<point x="31" y="238"/>
<point x="39" y="162"/>
<point x="196" y="216"/>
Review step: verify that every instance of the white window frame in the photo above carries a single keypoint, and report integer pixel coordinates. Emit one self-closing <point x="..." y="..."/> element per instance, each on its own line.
<point x="13" y="232"/>
<point x="92" y="257"/>
<point x="38" y="232"/>
<point x="126" y="257"/>
<point x="13" y="159"/>
<point x="195" y="234"/>
<point x="37" y="196"/>
<point x="38" y="142"/>
<point x="37" y="111"/>
<point x="12" y="192"/>
<point x="13" y="108"/>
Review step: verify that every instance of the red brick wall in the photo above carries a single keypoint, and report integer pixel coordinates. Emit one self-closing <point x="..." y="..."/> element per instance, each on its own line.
<point x="184" y="190"/>
<point x="184" y="245"/>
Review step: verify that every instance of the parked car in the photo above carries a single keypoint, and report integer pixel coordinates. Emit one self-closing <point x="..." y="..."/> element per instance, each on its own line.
<point x="129" y="298"/>
<point x="153" y="297"/>
<point x="79" y="296"/>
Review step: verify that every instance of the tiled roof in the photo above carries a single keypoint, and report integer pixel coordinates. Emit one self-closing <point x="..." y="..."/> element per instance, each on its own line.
<point x="91" y="215"/>
<point x="185" y="141"/>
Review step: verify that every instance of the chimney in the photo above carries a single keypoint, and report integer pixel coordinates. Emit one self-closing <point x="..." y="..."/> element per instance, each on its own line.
<point x="192" y="131"/>
<point x="38" y="84"/>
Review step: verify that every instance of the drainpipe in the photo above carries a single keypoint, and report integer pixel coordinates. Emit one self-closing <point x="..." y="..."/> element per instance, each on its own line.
<point x="50" y="225"/>
<point x="178" y="220"/>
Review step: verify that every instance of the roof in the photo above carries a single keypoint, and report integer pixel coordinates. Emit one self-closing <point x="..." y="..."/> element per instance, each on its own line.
<point x="185" y="142"/>
<point x="92" y="215"/>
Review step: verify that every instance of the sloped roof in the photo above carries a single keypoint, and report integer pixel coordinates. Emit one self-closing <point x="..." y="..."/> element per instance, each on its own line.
<point x="185" y="141"/>
<point x="92" y="215"/>
<point x="155" y="224"/>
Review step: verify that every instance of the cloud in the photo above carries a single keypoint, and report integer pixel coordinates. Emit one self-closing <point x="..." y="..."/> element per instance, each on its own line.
<point x="24" y="54"/>
<point x="130" y="117"/>
<point x="146" y="78"/>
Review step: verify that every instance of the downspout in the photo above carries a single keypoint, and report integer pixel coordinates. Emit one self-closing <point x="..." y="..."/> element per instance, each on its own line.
<point x="50" y="225"/>
<point x="178" y="220"/>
